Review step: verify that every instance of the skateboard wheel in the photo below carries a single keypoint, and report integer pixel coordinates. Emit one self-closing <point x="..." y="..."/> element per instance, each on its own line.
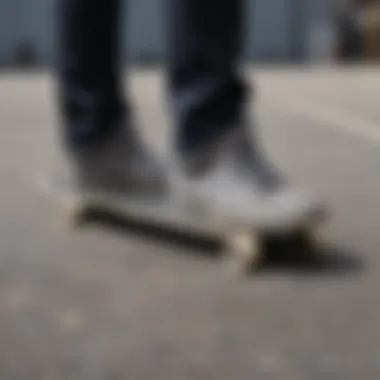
<point x="75" y="211"/>
<point x="244" y="251"/>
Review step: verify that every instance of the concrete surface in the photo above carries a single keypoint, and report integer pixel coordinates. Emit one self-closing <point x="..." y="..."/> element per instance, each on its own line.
<point x="106" y="304"/>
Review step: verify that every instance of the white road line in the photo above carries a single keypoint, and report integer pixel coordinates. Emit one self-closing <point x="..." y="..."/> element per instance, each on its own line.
<point x="328" y="117"/>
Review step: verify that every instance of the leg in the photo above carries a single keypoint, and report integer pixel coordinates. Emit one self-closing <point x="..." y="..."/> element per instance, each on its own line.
<point x="90" y="96"/>
<point x="106" y="153"/>
<point x="207" y="91"/>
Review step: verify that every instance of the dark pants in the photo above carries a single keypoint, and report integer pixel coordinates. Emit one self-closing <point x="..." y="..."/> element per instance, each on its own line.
<point x="206" y="92"/>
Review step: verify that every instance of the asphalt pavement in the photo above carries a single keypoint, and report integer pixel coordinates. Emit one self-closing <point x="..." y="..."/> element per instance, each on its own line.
<point x="108" y="303"/>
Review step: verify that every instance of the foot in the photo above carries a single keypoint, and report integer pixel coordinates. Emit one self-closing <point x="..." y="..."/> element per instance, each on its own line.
<point x="232" y="180"/>
<point x="121" y="166"/>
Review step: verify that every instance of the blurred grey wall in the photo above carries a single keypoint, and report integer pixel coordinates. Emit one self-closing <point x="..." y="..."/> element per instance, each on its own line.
<point x="276" y="30"/>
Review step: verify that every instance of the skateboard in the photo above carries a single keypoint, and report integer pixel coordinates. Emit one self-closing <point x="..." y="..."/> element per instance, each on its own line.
<point x="243" y="246"/>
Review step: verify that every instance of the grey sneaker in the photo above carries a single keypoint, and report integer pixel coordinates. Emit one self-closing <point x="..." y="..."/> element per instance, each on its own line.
<point x="121" y="166"/>
<point x="231" y="179"/>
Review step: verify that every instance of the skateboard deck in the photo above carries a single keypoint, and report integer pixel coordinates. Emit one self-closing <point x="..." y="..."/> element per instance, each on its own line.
<point x="243" y="247"/>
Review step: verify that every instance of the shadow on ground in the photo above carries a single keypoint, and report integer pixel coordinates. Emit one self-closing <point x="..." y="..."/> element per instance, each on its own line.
<point x="327" y="260"/>
<point x="289" y="255"/>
